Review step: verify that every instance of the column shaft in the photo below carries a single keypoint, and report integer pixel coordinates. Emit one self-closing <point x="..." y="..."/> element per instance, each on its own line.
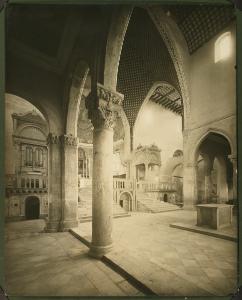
<point x="102" y="187"/>
<point x="54" y="184"/>
<point x="69" y="183"/>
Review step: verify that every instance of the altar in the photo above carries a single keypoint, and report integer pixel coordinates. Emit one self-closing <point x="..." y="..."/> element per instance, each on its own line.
<point x="214" y="215"/>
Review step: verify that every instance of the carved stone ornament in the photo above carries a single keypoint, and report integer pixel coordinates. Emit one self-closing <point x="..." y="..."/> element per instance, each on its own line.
<point x="109" y="96"/>
<point x="109" y="104"/>
<point x="64" y="139"/>
<point x="69" y="140"/>
<point x="53" y="139"/>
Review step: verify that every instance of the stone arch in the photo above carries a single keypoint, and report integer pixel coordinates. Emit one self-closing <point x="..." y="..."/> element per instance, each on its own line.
<point x="79" y="78"/>
<point x="127" y="201"/>
<point x="119" y="24"/>
<point x="24" y="126"/>
<point x="199" y="141"/>
<point x="172" y="37"/>
<point x="51" y="113"/>
<point x="146" y="100"/>
<point x="177" y="47"/>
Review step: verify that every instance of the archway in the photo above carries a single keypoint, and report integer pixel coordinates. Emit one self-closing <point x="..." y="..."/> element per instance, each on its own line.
<point x="214" y="169"/>
<point x="159" y="120"/>
<point x="32" y="208"/>
<point x="125" y="201"/>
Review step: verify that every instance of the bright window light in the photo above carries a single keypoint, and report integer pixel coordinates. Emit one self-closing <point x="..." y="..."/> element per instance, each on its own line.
<point x="223" y="47"/>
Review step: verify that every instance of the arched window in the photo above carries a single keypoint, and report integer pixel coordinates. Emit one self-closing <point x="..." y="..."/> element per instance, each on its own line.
<point x="223" y="47"/>
<point x="39" y="157"/>
<point x="37" y="183"/>
<point x="44" y="183"/>
<point x="29" y="156"/>
<point x="32" y="183"/>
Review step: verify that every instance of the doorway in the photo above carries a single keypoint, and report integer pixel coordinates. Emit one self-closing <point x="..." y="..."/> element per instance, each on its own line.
<point x="32" y="208"/>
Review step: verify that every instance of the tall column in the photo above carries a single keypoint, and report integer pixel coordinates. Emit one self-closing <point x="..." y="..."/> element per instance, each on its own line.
<point x="190" y="186"/>
<point x="233" y="159"/>
<point x="69" y="182"/>
<point x="108" y="102"/>
<point x="54" y="183"/>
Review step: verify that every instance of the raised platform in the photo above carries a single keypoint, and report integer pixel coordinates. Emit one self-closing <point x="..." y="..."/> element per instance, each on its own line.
<point x="207" y="231"/>
<point x="170" y="261"/>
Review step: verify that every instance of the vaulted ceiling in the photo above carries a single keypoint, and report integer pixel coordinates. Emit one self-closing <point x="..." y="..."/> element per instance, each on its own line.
<point x="144" y="61"/>
<point x="41" y="40"/>
<point x="199" y="23"/>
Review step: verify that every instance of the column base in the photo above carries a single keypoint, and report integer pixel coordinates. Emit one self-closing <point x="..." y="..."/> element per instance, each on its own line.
<point x="99" y="251"/>
<point x="52" y="226"/>
<point x="66" y="225"/>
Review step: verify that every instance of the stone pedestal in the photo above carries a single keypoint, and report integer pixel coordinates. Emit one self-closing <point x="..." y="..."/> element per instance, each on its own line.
<point x="54" y="183"/>
<point x="215" y="216"/>
<point x="69" y="182"/>
<point x="108" y="102"/>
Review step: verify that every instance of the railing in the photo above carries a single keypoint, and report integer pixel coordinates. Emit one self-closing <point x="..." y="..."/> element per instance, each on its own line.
<point x="27" y="182"/>
<point x="149" y="186"/>
<point x="143" y="185"/>
<point x="122" y="184"/>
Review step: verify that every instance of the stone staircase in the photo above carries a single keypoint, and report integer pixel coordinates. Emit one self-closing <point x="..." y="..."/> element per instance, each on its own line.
<point x="146" y="203"/>
<point x="85" y="206"/>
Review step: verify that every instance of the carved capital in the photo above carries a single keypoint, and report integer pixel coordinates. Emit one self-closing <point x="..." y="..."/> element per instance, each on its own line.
<point x="69" y="140"/>
<point x="112" y="97"/>
<point x="53" y="139"/>
<point x="109" y="104"/>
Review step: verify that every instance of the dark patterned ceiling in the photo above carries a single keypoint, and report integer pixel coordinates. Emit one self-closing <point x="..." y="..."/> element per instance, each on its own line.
<point x="199" y="23"/>
<point x="144" y="61"/>
<point x="168" y="97"/>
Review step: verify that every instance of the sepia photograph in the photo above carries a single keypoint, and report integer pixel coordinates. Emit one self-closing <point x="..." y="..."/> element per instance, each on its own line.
<point x="120" y="150"/>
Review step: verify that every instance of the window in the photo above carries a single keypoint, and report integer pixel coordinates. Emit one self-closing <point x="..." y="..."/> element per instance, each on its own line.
<point x="44" y="183"/>
<point x="37" y="183"/>
<point x="29" y="156"/>
<point x="27" y="182"/>
<point x="32" y="183"/>
<point x="39" y="157"/>
<point x="223" y="47"/>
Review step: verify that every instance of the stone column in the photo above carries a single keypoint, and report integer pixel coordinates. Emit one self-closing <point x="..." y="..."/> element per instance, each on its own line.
<point x="102" y="181"/>
<point x="233" y="159"/>
<point x="190" y="186"/>
<point x="69" y="182"/>
<point x="54" y="183"/>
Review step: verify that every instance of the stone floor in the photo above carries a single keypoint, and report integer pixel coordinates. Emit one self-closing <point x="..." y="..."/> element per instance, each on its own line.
<point x="56" y="264"/>
<point x="171" y="261"/>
